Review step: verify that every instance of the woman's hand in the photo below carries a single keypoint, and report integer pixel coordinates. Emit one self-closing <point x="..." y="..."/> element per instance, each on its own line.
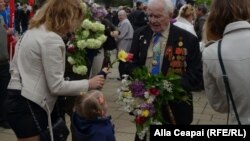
<point x="96" y="82"/>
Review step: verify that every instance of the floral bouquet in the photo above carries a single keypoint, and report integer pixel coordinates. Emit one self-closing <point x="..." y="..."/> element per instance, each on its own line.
<point x="122" y="56"/>
<point x="144" y="94"/>
<point x="89" y="36"/>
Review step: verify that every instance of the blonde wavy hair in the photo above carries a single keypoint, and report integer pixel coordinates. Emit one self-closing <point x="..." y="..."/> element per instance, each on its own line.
<point x="186" y="11"/>
<point x="59" y="16"/>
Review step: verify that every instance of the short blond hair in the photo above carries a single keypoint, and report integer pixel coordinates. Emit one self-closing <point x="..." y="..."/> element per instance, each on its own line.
<point x="91" y="105"/>
<point x="186" y="11"/>
<point x="59" y="15"/>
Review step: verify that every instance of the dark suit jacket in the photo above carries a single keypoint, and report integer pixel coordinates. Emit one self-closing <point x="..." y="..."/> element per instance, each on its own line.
<point x="137" y="19"/>
<point x="191" y="78"/>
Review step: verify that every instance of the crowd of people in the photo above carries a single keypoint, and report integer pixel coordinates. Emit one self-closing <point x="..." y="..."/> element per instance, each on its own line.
<point x="162" y="35"/>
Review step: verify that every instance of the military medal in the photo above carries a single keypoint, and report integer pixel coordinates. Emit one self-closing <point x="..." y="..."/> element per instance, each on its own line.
<point x="180" y="44"/>
<point x="179" y="57"/>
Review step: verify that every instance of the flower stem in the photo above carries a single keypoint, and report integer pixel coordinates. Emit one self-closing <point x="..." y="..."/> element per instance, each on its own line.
<point x="111" y="64"/>
<point x="171" y="115"/>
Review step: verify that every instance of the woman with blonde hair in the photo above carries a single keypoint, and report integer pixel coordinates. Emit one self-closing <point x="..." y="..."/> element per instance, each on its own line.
<point x="185" y="18"/>
<point x="37" y="70"/>
<point x="228" y="25"/>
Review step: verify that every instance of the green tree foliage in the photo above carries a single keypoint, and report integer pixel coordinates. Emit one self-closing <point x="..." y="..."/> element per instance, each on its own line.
<point x="206" y="2"/>
<point x="116" y="3"/>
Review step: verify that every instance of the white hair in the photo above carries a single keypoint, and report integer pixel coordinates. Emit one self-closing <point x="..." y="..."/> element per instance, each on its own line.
<point x="168" y="5"/>
<point x="122" y="12"/>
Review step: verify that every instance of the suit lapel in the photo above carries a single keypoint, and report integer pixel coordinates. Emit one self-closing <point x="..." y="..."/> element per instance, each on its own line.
<point x="144" y="43"/>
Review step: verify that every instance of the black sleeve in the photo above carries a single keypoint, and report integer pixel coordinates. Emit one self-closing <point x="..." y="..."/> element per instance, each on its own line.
<point x="192" y="79"/>
<point x="135" y="50"/>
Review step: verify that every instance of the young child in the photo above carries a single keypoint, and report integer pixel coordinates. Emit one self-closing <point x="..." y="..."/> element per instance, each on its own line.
<point x="89" y="120"/>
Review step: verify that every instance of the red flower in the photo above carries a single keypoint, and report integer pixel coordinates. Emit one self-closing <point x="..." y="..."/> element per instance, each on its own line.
<point x="140" y="120"/>
<point x="71" y="48"/>
<point x="129" y="57"/>
<point x="154" y="91"/>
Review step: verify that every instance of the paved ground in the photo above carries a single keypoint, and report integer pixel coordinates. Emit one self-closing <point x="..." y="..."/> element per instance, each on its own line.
<point x="124" y="127"/>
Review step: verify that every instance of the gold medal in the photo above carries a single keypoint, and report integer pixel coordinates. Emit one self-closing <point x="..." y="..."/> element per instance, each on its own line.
<point x="180" y="44"/>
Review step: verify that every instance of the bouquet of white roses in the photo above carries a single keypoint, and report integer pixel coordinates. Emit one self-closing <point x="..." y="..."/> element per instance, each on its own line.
<point x="89" y="35"/>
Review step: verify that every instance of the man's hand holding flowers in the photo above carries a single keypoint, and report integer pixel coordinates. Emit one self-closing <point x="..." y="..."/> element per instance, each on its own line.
<point x="122" y="56"/>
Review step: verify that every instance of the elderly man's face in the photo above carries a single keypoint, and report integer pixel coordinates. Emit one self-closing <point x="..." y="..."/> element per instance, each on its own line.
<point x="158" y="18"/>
<point x="2" y="5"/>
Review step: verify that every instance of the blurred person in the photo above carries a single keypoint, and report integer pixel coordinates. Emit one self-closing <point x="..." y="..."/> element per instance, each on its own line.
<point x="115" y="19"/>
<point x="90" y="120"/>
<point x="109" y="15"/>
<point x="171" y="38"/>
<point x="138" y="18"/>
<point x="4" y="67"/>
<point x="124" y="39"/>
<point x="17" y="21"/>
<point x="37" y="70"/>
<point x="109" y="44"/>
<point x="201" y="16"/>
<point x="24" y="17"/>
<point x="185" y="18"/>
<point x="228" y="22"/>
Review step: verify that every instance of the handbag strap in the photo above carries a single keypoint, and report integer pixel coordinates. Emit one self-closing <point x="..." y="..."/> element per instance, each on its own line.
<point x="226" y="81"/>
<point x="34" y="117"/>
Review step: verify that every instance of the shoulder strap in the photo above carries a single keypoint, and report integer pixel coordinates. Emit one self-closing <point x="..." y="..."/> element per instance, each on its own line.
<point x="226" y="81"/>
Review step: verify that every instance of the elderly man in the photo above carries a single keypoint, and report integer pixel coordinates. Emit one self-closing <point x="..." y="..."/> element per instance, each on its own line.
<point x="4" y="66"/>
<point x="162" y="58"/>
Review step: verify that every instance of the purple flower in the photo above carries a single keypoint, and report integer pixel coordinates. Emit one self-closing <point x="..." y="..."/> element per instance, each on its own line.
<point x="137" y="88"/>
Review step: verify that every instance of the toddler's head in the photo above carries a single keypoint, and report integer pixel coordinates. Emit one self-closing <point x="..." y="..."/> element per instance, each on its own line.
<point x="91" y="105"/>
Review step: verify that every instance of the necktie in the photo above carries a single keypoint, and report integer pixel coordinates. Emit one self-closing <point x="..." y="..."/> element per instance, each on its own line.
<point x="156" y="54"/>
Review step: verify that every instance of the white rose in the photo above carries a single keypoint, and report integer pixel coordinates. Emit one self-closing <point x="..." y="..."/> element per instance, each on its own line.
<point x="99" y="26"/>
<point x="87" y="24"/>
<point x="102" y="38"/>
<point x="71" y="60"/>
<point x="81" y="44"/>
<point x="82" y="70"/>
<point x="97" y="44"/>
<point x="85" y="34"/>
